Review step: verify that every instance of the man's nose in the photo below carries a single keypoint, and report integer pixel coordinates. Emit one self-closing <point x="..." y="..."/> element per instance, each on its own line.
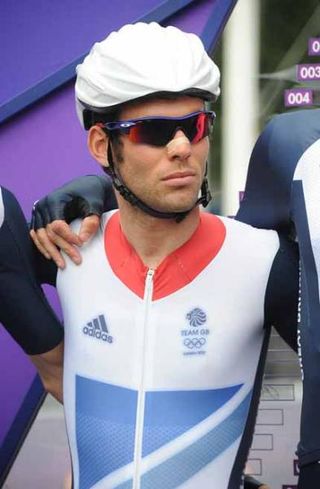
<point x="179" y="146"/>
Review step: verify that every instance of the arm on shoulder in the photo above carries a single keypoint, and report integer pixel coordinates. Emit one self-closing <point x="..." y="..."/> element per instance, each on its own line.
<point x="86" y="197"/>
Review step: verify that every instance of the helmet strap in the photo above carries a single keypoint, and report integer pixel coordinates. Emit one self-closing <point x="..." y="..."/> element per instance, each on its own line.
<point x="130" y="197"/>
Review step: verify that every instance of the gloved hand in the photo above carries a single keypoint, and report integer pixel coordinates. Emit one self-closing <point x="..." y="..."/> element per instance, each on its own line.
<point x="86" y="197"/>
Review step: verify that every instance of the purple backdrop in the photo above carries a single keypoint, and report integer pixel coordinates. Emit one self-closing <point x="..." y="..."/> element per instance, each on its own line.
<point x="42" y="41"/>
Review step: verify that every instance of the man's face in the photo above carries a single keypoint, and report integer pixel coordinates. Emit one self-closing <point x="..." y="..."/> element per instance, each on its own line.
<point x="166" y="178"/>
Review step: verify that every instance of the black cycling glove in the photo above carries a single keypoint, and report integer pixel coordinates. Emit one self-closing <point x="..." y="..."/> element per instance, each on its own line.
<point x="82" y="197"/>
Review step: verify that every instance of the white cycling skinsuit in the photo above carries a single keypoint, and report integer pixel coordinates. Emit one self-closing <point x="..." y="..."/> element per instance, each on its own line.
<point x="163" y="368"/>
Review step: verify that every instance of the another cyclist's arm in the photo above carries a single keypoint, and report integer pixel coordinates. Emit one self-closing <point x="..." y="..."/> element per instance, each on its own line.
<point x="24" y="310"/>
<point x="281" y="304"/>
<point x="85" y="197"/>
<point x="50" y="368"/>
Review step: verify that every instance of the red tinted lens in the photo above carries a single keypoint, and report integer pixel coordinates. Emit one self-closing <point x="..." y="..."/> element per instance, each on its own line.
<point x="196" y="127"/>
<point x="135" y="133"/>
<point x="201" y="128"/>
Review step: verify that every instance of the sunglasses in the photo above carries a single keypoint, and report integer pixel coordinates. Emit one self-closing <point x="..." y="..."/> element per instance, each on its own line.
<point x="159" y="131"/>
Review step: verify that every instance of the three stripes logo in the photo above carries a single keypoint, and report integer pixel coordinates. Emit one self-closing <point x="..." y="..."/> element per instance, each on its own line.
<point x="97" y="328"/>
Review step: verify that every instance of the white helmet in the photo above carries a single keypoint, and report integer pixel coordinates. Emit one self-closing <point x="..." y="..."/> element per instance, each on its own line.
<point x="140" y="60"/>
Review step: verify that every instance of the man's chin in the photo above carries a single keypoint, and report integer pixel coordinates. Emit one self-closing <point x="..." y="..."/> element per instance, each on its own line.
<point x="183" y="206"/>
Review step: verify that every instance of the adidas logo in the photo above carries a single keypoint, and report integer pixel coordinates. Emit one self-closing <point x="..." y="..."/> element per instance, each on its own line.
<point x="97" y="328"/>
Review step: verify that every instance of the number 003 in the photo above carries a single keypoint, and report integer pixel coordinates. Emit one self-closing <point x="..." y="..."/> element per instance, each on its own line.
<point x="310" y="72"/>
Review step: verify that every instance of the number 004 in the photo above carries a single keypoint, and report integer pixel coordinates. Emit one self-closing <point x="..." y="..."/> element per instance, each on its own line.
<point x="298" y="98"/>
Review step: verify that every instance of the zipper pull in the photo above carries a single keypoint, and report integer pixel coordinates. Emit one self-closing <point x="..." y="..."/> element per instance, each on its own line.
<point x="148" y="289"/>
<point x="150" y="273"/>
<point x="149" y="277"/>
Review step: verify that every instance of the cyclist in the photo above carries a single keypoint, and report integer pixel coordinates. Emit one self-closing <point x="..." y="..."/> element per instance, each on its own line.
<point x="167" y="318"/>
<point x="282" y="193"/>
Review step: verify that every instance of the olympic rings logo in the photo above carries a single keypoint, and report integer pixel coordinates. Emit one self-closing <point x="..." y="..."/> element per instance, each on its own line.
<point x="194" y="342"/>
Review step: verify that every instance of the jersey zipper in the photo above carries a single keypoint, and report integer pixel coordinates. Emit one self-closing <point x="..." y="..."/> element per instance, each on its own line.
<point x="148" y="291"/>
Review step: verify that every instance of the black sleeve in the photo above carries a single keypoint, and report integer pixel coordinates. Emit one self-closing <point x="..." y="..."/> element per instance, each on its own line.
<point x="251" y="483"/>
<point x="267" y="196"/>
<point x="46" y="270"/>
<point x="24" y="310"/>
<point x="281" y="303"/>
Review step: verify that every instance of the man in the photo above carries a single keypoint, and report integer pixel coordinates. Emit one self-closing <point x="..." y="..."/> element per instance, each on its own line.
<point x="281" y="193"/>
<point x="282" y="167"/>
<point x="167" y="318"/>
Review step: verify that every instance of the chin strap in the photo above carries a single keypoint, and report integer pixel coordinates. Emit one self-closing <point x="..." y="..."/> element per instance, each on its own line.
<point x="130" y="197"/>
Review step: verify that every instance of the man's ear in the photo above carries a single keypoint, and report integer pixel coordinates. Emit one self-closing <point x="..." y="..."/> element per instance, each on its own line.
<point x="98" y="144"/>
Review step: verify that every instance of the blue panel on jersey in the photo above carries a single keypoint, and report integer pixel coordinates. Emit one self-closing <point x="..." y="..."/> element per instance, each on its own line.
<point x="185" y="464"/>
<point x="170" y="414"/>
<point x="105" y="428"/>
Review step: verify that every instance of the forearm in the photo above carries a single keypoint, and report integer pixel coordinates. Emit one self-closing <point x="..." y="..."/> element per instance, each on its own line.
<point x="50" y="368"/>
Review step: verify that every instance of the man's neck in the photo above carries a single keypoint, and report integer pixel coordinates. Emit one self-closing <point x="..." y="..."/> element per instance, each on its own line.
<point x="152" y="238"/>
